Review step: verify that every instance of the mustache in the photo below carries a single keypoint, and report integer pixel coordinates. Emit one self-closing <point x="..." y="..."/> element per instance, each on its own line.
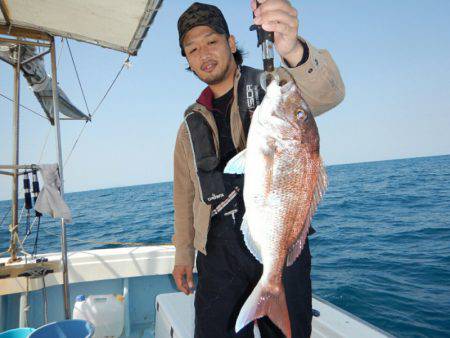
<point x="208" y="62"/>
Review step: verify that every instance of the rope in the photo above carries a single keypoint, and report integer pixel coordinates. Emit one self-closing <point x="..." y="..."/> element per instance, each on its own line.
<point x="1" y="224"/>
<point x="21" y="105"/>
<point x="14" y="239"/>
<point x="126" y="62"/>
<point x="60" y="52"/>
<point x="75" y="144"/>
<point x="36" y="239"/>
<point x="78" y="77"/>
<point x="27" y="304"/>
<point x="45" y="144"/>
<point x="31" y="228"/>
<point x="4" y="217"/>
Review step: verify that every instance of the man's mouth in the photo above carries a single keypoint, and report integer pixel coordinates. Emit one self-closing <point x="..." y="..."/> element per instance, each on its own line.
<point x="208" y="66"/>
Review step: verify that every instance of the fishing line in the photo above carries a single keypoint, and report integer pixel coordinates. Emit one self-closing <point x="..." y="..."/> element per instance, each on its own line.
<point x="44" y="145"/>
<point x="4" y="217"/>
<point x="1" y="224"/>
<point x="21" y="105"/>
<point x="125" y="63"/>
<point x="60" y="51"/>
<point x="75" y="144"/>
<point x="78" y="77"/>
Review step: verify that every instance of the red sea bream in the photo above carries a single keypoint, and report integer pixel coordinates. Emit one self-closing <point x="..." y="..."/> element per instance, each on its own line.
<point x="284" y="181"/>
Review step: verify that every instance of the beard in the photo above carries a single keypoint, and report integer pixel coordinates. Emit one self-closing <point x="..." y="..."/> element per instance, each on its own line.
<point x="218" y="75"/>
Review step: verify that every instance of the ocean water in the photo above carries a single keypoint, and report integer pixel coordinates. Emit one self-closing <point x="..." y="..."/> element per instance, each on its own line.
<point x="381" y="251"/>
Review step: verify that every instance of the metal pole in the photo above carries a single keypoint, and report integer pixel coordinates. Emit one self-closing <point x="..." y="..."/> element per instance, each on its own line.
<point x="23" y="310"/>
<point x="66" y="295"/>
<point x="24" y="42"/>
<point x="15" y="185"/>
<point x="20" y="166"/>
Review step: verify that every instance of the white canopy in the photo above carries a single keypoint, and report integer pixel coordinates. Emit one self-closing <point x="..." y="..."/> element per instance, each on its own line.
<point x="115" y="24"/>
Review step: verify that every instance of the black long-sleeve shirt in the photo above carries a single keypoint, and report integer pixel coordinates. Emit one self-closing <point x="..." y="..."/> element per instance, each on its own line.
<point x="221" y="111"/>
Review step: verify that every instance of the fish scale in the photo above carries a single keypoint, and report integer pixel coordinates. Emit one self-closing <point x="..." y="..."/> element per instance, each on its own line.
<point x="284" y="181"/>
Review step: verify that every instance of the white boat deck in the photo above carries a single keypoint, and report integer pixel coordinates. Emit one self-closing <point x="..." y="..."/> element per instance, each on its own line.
<point x="175" y="318"/>
<point x="142" y="275"/>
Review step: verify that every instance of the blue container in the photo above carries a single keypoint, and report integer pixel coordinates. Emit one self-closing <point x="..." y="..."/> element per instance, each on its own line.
<point x="71" y="328"/>
<point x="22" y="332"/>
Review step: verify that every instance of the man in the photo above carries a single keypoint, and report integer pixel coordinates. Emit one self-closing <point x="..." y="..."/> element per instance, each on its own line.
<point x="208" y="204"/>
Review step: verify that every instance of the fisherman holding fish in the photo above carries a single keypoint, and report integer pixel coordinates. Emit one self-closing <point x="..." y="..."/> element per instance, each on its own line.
<point x="253" y="258"/>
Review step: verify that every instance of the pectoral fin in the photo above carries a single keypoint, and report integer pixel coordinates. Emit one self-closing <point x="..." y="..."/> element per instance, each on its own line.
<point x="237" y="164"/>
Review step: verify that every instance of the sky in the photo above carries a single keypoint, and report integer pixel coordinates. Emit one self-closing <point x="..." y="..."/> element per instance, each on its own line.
<point x="394" y="58"/>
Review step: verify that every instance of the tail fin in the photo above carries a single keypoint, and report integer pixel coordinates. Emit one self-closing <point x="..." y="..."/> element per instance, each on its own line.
<point x="262" y="303"/>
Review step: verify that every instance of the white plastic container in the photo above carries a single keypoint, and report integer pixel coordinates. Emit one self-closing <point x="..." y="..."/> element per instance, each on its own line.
<point x="105" y="312"/>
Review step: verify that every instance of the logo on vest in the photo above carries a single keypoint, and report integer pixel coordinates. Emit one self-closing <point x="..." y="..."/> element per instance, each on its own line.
<point x="214" y="197"/>
<point x="232" y="213"/>
<point x="252" y="95"/>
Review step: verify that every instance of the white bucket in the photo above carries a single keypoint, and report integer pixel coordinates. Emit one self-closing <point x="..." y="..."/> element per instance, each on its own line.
<point x="105" y="312"/>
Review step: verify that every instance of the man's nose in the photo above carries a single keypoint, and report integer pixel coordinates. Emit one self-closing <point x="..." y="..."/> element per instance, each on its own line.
<point x="204" y="53"/>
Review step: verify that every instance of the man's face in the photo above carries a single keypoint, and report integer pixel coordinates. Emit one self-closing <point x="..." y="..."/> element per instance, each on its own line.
<point x="210" y="54"/>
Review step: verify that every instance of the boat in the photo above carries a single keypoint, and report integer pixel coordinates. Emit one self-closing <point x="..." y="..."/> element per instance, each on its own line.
<point x="40" y="289"/>
<point x="152" y="304"/>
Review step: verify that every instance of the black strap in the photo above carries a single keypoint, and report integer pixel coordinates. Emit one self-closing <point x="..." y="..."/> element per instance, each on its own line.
<point x="206" y="160"/>
<point x="202" y="142"/>
<point x="250" y="94"/>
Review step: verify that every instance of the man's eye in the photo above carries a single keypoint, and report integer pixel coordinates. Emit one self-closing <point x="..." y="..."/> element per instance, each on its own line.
<point x="212" y="42"/>
<point x="192" y="51"/>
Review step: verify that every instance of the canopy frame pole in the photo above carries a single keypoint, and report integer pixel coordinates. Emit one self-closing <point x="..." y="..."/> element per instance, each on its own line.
<point x="65" y="271"/>
<point x="24" y="42"/>
<point x="5" y="11"/>
<point x="20" y="166"/>
<point x="15" y="185"/>
<point x="36" y="57"/>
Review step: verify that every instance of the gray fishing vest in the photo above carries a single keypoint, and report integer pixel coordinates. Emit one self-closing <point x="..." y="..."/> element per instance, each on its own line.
<point x="250" y="95"/>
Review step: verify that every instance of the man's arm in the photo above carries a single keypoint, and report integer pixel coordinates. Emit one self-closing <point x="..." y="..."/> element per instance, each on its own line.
<point x="314" y="71"/>
<point x="319" y="80"/>
<point x="183" y="196"/>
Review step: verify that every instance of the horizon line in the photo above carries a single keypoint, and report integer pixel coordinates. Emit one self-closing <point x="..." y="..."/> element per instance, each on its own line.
<point x="326" y="165"/>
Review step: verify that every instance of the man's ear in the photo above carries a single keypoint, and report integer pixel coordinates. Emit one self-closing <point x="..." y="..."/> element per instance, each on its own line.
<point x="232" y="43"/>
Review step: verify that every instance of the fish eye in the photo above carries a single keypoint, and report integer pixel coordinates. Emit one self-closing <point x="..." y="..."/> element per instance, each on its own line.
<point x="301" y="115"/>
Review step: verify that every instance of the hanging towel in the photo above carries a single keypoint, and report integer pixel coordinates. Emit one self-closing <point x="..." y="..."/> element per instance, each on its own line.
<point x="49" y="200"/>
